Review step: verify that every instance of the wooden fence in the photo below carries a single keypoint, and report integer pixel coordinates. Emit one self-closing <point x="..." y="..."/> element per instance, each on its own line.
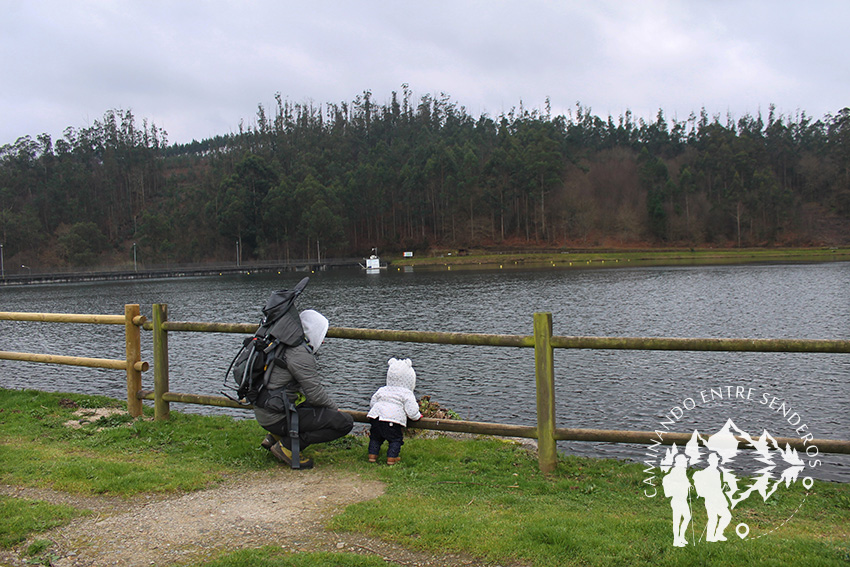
<point x="541" y="340"/>
<point x="132" y="364"/>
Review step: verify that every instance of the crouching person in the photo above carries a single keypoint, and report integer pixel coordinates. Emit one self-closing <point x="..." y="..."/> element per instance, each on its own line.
<point x="294" y="407"/>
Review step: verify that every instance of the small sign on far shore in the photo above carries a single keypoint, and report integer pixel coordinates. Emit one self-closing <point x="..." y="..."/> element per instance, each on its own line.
<point x="408" y="254"/>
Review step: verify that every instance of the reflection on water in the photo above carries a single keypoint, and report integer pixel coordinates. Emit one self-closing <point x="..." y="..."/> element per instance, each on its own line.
<point x="596" y="389"/>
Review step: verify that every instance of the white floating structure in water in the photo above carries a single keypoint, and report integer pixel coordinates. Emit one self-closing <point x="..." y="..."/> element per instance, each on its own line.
<point x="373" y="263"/>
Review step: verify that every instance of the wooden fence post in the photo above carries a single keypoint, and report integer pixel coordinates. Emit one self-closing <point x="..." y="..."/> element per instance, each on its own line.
<point x="160" y="361"/>
<point x="544" y="371"/>
<point x="132" y="336"/>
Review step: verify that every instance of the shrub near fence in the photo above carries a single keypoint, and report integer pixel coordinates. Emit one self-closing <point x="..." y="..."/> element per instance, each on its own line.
<point x="542" y="341"/>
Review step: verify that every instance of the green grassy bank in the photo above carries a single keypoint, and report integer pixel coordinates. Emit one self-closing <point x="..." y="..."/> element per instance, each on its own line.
<point x="480" y="497"/>
<point x="481" y="259"/>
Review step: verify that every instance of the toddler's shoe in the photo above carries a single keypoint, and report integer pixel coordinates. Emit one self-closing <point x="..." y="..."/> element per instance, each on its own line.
<point x="373" y="458"/>
<point x="393" y="460"/>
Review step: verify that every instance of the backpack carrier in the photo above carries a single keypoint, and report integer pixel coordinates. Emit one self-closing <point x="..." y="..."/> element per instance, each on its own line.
<point x="253" y="364"/>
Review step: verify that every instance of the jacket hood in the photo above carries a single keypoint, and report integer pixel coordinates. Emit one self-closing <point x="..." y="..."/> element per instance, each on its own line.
<point x="315" y="327"/>
<point x="401" y="373"/>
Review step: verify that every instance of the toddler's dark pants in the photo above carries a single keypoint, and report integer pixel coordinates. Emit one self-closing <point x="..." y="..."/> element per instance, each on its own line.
<point x="381" y="431"/>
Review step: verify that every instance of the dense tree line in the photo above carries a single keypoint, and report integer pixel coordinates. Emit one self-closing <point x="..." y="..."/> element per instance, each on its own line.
<point x="338" y="179"/>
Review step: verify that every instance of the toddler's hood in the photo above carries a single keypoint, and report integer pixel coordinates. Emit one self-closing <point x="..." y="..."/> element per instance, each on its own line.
<point x="401" y="373"/>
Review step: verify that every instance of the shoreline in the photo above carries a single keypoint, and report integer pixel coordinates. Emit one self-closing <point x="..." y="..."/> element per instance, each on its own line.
<point x="613" y="258"/>
<point x="477" y="259"/>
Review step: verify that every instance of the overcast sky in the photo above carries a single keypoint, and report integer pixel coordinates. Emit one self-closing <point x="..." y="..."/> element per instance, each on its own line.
<point x="196" y="68"/>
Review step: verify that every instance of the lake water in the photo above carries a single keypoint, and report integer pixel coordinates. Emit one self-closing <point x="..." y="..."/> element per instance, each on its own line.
<point x="594" y="389"/>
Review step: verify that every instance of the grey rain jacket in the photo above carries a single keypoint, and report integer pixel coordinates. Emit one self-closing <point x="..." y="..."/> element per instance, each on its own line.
<point x="301" y="374"/>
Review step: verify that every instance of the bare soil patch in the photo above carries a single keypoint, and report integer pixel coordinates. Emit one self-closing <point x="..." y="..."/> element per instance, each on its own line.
<point x="86" y="416"/>
<point x="282" y="507"/>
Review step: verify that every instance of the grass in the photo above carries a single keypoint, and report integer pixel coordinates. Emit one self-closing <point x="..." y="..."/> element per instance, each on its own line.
<point x="20" y="517"/>
<point x="113" y="456"/>
<point x="487" y="498"/>
<point x="484" y="497"/>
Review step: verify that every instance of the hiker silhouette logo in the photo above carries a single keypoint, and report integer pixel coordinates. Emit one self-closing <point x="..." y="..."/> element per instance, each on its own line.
<point x="713" y="481"/>
<point x="719" y="488"/>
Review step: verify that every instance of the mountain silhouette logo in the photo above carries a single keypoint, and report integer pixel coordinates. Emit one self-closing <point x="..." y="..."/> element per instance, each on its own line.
<point x="702" y="471"/>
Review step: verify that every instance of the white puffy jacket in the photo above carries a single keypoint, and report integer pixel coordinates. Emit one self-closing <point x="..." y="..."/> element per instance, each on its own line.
<point x="395" y="402"/>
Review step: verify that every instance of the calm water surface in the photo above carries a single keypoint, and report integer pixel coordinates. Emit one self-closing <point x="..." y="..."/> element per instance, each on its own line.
<point x="595" y="389"/>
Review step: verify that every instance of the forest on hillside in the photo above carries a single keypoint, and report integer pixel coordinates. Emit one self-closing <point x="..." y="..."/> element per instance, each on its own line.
<point x="338" y="179"/>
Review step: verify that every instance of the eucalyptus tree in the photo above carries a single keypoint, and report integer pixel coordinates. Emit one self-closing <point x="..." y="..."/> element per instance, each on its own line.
<point x="241" y="196"/>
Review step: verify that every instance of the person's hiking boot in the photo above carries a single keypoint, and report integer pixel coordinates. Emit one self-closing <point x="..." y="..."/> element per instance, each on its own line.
<point x="373" y="458"/>
<point x="284" y="455"/>
<point x="268" y="441"/>
<point x="393" y="460"/>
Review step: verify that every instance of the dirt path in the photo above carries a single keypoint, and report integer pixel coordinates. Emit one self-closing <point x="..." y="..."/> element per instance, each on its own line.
<point x="281" y="507"/>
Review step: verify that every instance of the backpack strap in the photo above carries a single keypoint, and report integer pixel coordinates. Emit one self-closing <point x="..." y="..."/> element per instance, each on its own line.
<point x="270" y="355"/>
<point x="294" y="439"/>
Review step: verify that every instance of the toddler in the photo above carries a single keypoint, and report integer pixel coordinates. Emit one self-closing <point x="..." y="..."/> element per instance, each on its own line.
<point x="390" y="408"/>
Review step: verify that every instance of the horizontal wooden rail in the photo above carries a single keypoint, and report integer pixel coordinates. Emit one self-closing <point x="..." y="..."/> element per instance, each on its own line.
<point x="651" y="437"/>
<point x="435" y="337"/>
<point x="217" y="401"/>
<point x="478" y="339"/>
<point x="557" y="341"/>
<point x="73" y="360"/>
<point x="524" y="431"/>
<point x="461" y="426"/>
<point x="727" y="345"/>
<point x="70" y="318"/>
<point x="199" y="327"/>
<point x="63" y="318"/>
